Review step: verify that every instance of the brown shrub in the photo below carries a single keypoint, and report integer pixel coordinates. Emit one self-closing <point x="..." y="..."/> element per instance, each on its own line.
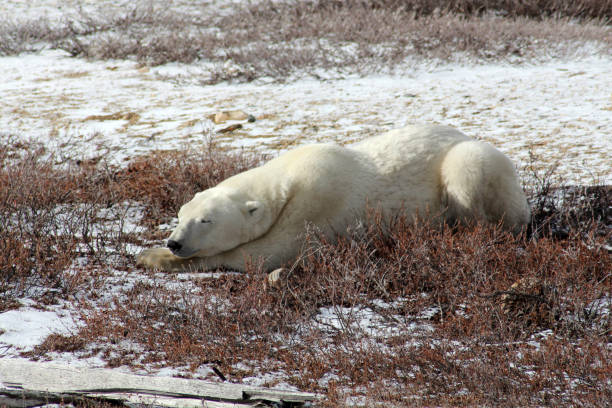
<point x="58" y="343"/>
<point x="165" y="180"/>
<point x="400" y="313"/>
<point x="51" y="214"/>
<point x="36" y="234"/>
<point x="585" y="9"/>
<point x="278" y="39"/>
<point x="467" y="352"/>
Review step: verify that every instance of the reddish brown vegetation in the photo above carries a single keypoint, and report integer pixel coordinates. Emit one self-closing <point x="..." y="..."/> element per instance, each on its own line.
<point x="475" y="353"/>
<point x="508" y="8"/>
<point x="35" y="247"/>
<point x="439" y="334"/>
<point x="278" y="39"/>
<point x="50" y="213"/>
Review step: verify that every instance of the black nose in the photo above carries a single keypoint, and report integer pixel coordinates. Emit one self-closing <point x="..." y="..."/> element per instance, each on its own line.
<point x="174" y="245"/>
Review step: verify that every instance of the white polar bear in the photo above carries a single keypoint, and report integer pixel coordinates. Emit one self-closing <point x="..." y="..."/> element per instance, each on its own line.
<point x="262" y="212"/>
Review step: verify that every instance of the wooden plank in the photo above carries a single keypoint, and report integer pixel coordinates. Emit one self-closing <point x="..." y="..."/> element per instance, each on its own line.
<point x="161" y="401"/>
<point x="36" y="399"/>
<point x="30" y="379"/>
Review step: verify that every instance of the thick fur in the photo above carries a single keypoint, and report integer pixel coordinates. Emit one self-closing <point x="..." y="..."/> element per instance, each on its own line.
<point x="261" y="214"/>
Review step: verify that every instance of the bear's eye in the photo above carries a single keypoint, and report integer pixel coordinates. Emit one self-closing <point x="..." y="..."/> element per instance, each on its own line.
<point x="205" y="221"/>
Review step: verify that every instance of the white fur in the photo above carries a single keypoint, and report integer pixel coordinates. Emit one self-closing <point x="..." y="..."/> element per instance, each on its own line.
<point x="261" y="213"/>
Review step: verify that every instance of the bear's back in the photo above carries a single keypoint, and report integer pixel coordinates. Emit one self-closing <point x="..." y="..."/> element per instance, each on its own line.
<point x="411" y="148"/>
<point x="326" y="170"/>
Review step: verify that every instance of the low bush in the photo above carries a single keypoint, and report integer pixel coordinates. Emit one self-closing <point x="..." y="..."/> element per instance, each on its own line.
<point x="583" y="9"/>
<point x="400" y="313"/>
<point x="414" y="317"/>
<point x="37" y="232"/>
<point x="58" y="220"/>
<point x="280" y="39"/>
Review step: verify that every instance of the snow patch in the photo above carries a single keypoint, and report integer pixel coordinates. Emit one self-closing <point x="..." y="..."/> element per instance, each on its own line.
<point x="89" y="108"/>
<point x="27" y="327"/>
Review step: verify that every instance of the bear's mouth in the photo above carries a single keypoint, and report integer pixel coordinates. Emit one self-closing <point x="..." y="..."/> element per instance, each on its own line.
<point x="180" y="250"/>
<point x="183" y="253"/>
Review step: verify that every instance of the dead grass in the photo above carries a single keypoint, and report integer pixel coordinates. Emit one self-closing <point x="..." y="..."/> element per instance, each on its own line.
<point x="280" y="39"/>
<point x="581" y="9"/>
<point x="37" y="243"/>
<point x="468" y="352"/>
<point x="63" y="224"/>
<point x="414" y="317"/>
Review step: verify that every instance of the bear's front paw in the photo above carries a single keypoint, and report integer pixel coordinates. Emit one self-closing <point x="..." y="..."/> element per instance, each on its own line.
<point x="157" y="258"/>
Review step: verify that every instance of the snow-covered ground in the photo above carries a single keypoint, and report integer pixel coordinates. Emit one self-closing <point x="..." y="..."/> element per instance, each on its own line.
<point x="57" y="10"/>
<point x="27" y="327"/>
<point x="560" y="110"/>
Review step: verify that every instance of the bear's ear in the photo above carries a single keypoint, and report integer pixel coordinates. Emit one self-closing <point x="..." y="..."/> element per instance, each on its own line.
<point x="252" y="207"/>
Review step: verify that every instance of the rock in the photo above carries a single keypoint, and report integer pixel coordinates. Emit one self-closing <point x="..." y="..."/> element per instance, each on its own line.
<point x="224" y="116"/>
<point x="531" y="301"/>
<point x="231" y="128"/>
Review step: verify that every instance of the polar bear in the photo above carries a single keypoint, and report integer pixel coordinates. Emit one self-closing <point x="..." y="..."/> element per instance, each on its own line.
<point x="261" y="213"/>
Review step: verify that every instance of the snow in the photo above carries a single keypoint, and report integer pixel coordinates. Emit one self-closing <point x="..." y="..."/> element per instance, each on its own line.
<point x="375" y="322"/>
<point x="560" y="110"/>
<point x="57" y="10"/>
<point x="27" y="327"/>
<point x="356" y="320"/>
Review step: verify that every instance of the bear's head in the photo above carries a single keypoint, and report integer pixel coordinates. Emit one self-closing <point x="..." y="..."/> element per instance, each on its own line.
<point x="214" y="221"/>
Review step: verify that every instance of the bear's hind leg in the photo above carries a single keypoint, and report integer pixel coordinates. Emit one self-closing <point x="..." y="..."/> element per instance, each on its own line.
<point x="479" y="183"/>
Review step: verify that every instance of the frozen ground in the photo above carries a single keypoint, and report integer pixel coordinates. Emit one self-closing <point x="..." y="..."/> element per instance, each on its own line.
<point x="28" y="327"/>
<point x="561" y="110"/>
<point x="55" y="10"/>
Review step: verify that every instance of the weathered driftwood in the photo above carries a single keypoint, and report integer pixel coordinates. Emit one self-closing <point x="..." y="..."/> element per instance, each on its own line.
<point x="27" y="384"/>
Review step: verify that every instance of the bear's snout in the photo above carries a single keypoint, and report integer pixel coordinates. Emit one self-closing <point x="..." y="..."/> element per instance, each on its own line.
<point x="174" y="246"/>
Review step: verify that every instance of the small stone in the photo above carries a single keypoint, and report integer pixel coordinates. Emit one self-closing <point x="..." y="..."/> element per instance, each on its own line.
<point x="224" y="116"/>
<point x="231" y="128"/>
<point x="530" y="300"/>
<point x="251" y="119"/>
